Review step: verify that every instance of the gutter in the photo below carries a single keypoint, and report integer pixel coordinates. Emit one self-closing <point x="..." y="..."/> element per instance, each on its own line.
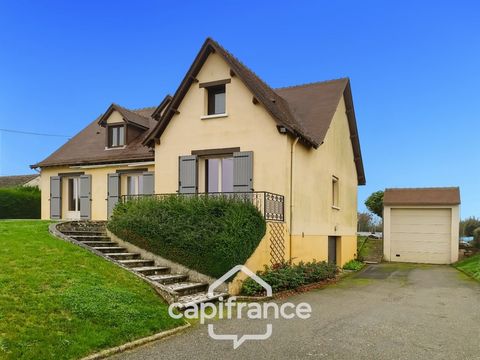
<point x="292" y="157"/>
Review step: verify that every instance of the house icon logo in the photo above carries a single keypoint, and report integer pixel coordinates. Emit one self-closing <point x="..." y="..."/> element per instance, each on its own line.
<point x="239" y="340"/>
<point x="254" y="310"/>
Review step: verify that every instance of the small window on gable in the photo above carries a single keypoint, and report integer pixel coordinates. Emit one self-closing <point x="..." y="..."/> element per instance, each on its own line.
<point x="216" y="100"/>
<point x="116" y="136"/>
<point x="335" y="196"/>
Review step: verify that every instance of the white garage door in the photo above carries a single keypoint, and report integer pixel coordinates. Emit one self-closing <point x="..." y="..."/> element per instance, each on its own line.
<point x="420" y="235"/>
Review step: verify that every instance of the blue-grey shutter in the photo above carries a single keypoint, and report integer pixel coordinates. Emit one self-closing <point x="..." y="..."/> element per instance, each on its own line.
<point x="148" y="183"/>
<point x="55" y="197"/>
<point x="85" y="197"/>
<point x="187" y="174"/>
<point x="243" y="171"/>
<point x="113" y="195"/>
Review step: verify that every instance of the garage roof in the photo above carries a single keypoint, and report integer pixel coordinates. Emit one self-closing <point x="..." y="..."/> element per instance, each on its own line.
<point x="422" y="196"/>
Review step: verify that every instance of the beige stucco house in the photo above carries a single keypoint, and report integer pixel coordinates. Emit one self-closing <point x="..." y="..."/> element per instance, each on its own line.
<point x="294" y="151"/>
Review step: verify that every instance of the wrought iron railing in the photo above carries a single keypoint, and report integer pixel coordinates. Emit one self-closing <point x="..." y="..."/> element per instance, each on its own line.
<point x="271" y="205"/>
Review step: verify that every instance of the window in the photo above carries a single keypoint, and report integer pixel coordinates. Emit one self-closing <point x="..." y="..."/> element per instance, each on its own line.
<point x="219" y="175"/>
<point x="135" y="184"/>
<point x="335" y="203"/>
<point x="116" y="136"/>
<point x="216" y="100"/>
<point x="74" y="194"/>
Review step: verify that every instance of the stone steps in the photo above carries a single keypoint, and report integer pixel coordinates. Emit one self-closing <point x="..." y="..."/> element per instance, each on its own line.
<point x="123" y="256"/>
<point x="185" y="292"/>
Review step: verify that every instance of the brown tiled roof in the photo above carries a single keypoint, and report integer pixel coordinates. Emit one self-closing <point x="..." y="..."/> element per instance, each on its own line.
<point x="305" y="111"/>
<point x="422" y="196"/>
<point x="16" y="180"/>
<point x="88" y="146"/>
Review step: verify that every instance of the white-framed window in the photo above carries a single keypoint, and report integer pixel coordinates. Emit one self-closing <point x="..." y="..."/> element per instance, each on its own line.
<point x="335" y="193"/>
<point x="135" y="184"/>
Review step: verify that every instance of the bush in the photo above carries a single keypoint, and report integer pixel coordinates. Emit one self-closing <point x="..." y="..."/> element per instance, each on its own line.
<point x="285" y="276"/>
<point x="476" y="237"/>
<point x="353" y="265"/>
<point x="20" y="203"/>
<point x="206" y="234"/>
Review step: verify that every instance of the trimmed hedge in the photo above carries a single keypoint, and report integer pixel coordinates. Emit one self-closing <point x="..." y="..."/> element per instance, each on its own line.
<point x="20" y="203"/>
<point x="286" y="276"/>
<point x="207" y="234"/>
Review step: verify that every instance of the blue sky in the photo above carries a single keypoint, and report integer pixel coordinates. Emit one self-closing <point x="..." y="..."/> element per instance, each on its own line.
<point x="414" y="67"/>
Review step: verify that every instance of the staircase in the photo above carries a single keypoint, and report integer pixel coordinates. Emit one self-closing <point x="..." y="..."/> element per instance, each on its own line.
<point x="180" y="290"/>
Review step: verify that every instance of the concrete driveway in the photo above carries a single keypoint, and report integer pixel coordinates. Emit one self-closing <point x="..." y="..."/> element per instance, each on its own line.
<point x="387" y="311"/>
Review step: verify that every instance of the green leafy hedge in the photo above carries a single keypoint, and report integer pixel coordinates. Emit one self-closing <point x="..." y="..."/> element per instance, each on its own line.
<point x="286" y="276"/>
<point x="354" y="265"/>
<point x="207" y="234"/>
<point x="20" y="203"/>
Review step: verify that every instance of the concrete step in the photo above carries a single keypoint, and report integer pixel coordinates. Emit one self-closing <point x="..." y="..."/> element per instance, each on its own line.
<point x="137" y="263"/>
<point x="168" y="278"/>
<point x="188" y="288"/>
<point x="100" y="243"/>
<point x="191" y="300"/>
<point x="83" y="238"/>
<point x="151" y="270"/>
<point x="110" y="249"/>
<point x="84" y="233"/>
<point x="123" y="256"/>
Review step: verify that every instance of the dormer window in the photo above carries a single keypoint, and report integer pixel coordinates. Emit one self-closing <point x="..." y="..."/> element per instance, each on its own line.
<point x="116" y="136"/>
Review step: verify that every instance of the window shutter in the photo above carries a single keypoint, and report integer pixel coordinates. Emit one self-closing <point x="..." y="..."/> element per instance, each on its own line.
<point x="187" y="174"/>
<point x="148" y="183"/>
<point x="243" y="171"/>
<point x="113" y="195"/>
<point x="55" y="197"/>
<point x="85" y="197"/>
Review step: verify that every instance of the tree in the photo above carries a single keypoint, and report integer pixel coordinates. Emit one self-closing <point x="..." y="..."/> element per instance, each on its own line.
<point x="365" y="221"/>
<point x="374" y="203"/>
<point x="468" y="226"/>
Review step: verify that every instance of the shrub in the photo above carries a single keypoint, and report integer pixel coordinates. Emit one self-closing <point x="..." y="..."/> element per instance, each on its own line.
<point x="353" y="265"/>
<point x="476" y="237"/>
<point x="207" y="234"/>
<point x="286" y="276"/>
<point x="20" y="203"/>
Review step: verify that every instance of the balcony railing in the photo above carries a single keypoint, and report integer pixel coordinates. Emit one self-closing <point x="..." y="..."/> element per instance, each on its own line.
<point x="271" y="205"/>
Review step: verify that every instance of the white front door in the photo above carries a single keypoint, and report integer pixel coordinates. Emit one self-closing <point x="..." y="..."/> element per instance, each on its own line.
<point x="73" y="212"/>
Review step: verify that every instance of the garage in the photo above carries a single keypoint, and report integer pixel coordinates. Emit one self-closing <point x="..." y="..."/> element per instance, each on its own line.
<point x="421" y="225"/>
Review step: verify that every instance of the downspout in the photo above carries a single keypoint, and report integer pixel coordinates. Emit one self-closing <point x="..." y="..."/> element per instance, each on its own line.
<point x="292" y="154"/>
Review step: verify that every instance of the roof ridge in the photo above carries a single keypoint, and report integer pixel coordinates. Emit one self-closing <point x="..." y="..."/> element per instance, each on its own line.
<point x="143" y="108"/>
<point x="311" y="83"/>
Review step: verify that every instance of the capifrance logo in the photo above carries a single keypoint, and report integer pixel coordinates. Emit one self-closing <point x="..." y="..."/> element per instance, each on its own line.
<point x="252" y="310"/>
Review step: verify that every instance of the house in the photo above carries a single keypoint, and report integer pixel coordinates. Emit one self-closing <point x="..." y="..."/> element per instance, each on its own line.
<point x="293" y="151"/>
<point x="421" y="225"/>
<point x="32" y="180"/>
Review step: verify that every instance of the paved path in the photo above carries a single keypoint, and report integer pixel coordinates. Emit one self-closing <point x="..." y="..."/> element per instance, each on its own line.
<point x="385" y="312"/>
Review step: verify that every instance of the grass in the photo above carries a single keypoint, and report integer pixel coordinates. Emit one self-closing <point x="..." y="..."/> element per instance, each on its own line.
<point x="354" y="265"/>
<point x="58" y="301"/>
<point x="470" y="266"/>
<point x="362" y="246"/>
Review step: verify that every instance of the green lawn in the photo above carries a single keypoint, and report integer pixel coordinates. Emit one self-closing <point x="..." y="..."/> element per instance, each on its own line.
<point x="470" y="266"/>
<point x="58" y="301"/>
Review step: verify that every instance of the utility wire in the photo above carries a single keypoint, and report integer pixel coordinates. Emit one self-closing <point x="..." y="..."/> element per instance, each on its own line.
<point x="33" y="133"/>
